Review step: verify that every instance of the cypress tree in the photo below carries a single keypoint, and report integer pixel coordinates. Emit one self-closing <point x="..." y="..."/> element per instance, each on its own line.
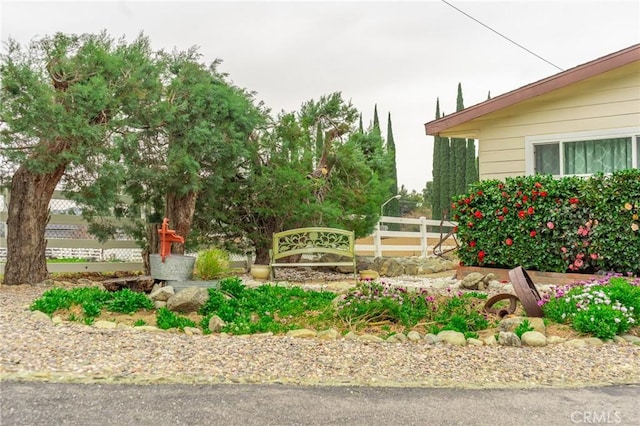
<point x="459" y="148"/>
<point x="360" y="128"/>
<point x="436" y="209"/>
<point x="446" y="177"/>
<point x="376" y="122"/>
<point x="471" y="173"/>
<point x="394" y="206"/>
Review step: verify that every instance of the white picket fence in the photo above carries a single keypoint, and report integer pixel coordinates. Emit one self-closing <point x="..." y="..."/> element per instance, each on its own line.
<point x="407" y="242"/>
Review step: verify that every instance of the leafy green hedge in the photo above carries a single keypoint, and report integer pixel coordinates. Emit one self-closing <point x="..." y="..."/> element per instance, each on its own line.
<point x="570" y="224"/>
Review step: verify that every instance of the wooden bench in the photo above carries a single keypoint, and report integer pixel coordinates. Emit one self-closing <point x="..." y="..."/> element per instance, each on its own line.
<point x="315" y="241"/>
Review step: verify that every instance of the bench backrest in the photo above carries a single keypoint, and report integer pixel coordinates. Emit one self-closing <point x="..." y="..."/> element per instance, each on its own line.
<point x="313" y="240"/>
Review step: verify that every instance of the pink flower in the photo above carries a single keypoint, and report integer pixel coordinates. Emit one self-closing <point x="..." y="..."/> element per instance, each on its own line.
<point x="578" y="263"/>
<point x="563" y="249"/>
<point x="593" y="256"/>
<point x="550" y="225"/>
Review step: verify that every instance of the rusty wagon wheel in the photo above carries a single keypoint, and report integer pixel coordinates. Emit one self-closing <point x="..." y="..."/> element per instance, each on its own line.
<point x="526" y="291"/>
<point x="501" y="312"/>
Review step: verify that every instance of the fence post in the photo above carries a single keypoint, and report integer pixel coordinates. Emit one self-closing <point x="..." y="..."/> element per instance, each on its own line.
<point x="377" y="241"/>
<point x="423" y="236"/>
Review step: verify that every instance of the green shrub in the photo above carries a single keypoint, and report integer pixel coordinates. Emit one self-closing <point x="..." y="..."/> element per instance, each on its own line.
<point x="522" y="328"/>
<point x="541" y="223"/>
<point x="165" y="319"/>
<point x="212" y="263"/>
<point x="603" y="308"/>
<point x="128" y="301"/>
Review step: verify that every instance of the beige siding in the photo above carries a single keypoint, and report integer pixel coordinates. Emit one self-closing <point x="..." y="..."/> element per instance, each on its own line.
<point x="608" y="101"/>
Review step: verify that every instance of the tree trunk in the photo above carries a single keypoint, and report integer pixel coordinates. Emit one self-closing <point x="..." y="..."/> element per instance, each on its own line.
<point x="28" y="216"/>
<point x="180" y="211"/>
<point x="153" y="246"/>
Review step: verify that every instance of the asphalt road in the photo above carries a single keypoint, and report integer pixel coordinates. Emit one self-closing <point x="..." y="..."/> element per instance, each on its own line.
<point x="33" y="403"/>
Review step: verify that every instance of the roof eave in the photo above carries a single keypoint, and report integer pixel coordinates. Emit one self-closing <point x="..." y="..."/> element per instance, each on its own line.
<point x="565" y="78"/>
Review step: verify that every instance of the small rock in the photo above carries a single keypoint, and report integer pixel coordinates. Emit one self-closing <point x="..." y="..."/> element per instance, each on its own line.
<point x="475" y="342"/>
<point x="413" y="336"/>
<point x="330" y="334"/>
<point x="40" y="316"/>
<point x="554" y="340"/>
<point x="397" y="338"/>
<point x="370" y="338"/>
<point x="104" y="324"/>
<point x="161" y="294"/>
<point x="431" y="338"/>
<point x="188" y="300"/>
<point x="351" y="336"/>
<point x="490" y="341"/>
<point x="302" y="333"/>
<point x="631" y="338"/>
<point x="533" y="338"/>
<point x="507" y="338"/>
<point x="216" y="324"/>
<point x="576" y="343"/>
<point x="593" y="341"/>
<point x="190" y="331"/>
<point x="452" y="337"/>
<point x="57" y="319"/>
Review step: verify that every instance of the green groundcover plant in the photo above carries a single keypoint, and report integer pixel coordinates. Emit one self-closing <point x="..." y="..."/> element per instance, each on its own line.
<point x="602" y="307"/>
<point x="541" y="223"/>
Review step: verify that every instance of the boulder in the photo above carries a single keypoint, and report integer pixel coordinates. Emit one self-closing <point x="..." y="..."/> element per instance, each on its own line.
<point x="161" y="294"/>
<point x="188" y="300"/>
<point x="511" y="323"/>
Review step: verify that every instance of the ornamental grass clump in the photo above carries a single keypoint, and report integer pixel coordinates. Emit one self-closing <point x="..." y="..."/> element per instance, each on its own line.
<point x="603" y="308"/>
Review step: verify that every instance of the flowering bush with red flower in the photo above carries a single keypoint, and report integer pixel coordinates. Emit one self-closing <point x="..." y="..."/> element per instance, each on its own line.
<point x="548" y="224"/>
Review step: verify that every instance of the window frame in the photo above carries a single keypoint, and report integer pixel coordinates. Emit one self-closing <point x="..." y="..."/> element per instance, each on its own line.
<point x="532" y="141"/>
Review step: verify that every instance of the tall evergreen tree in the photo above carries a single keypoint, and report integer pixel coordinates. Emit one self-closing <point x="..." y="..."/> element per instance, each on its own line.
<point x="436" y="171"/>
<point x="446" y="177"/>
<point x="471" y="174"/>
<point x="360" y="127"/>
<point x="376" y="121"/>
<point x="459" y="154"/>
<point x="394" y="206"/>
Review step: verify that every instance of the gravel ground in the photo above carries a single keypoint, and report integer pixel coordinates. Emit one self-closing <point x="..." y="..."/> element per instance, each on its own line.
<point x="71" y="352"/>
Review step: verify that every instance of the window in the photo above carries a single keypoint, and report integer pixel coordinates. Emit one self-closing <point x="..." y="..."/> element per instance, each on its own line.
<point x="584" y="153"/>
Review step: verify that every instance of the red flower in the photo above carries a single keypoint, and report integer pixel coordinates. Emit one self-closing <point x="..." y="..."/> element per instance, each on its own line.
<point x="525" y="198"/>
<point x="470" y="224"/>
<point x="543" y="193"/>
<point x="453" y="206"/>
<point x="522" y="214"/>
<point x="505" y="195"/>
<point x="472" y="243"/>
<point x="478" y="214"/>
<point x="479" y="192"/>
<point x="530" y="210"/>
<point x="505" y="210"/>
<point x="508" y="241"/>
<point x="481" y="254"/>
<point x="500" y="218"/>
<point x="537" y="185"/>
<point x="500" y="186"/>
<point x="573" y="200"/>
<point x="532" y="233"/>
<point x="455" y="229"/>
<point x="467" y="200"/>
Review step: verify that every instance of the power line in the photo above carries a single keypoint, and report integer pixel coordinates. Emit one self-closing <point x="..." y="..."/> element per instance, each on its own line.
<point x="501" y="35"/>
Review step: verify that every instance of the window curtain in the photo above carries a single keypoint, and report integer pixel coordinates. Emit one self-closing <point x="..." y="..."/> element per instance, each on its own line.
<point x="604" y="155"/>
<point x="547" y="159"/>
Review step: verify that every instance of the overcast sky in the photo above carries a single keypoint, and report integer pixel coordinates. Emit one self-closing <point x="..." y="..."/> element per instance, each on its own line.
<point x="399" y="55"/>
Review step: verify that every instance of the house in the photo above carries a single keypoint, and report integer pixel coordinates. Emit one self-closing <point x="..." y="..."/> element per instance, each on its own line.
<point x="577" y="122"/>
